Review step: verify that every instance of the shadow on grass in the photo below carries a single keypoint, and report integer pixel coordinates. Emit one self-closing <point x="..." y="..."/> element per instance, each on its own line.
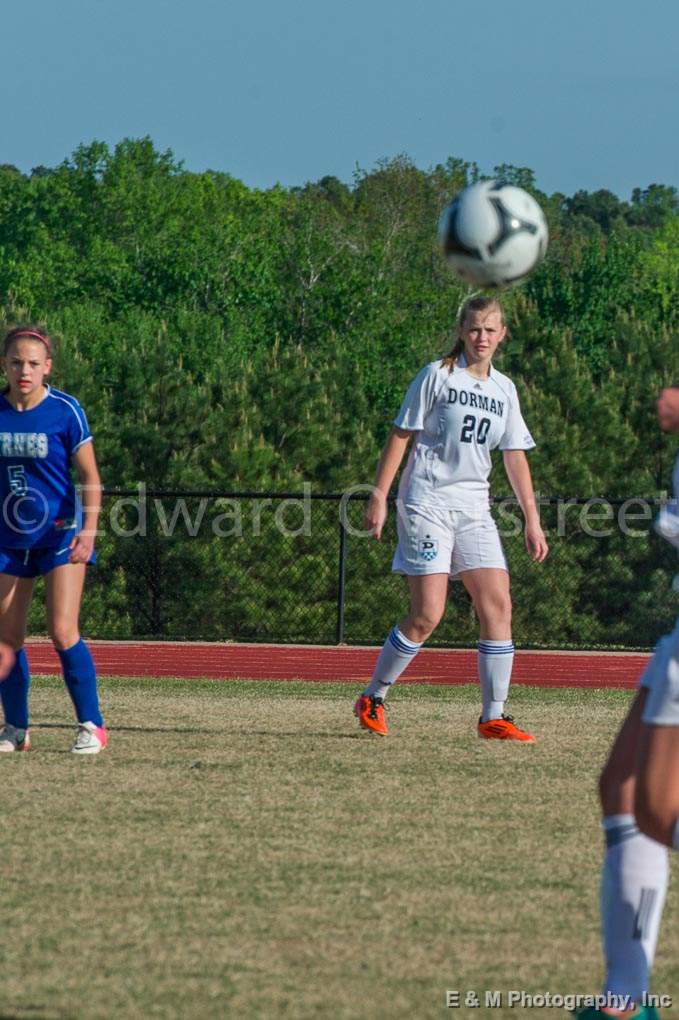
<point x="127" y="729"/>
<point x="34" y="1013"/>
<point x="302" y="733"/>
<point x="207" y="731"/>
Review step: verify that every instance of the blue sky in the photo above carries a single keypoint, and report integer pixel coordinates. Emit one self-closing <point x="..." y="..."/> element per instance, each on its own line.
<point x="585" y="92"/>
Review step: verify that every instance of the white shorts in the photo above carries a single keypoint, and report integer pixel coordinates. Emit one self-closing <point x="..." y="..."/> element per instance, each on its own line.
<point x="661" y="678"/>
<point x="435" y="541"/>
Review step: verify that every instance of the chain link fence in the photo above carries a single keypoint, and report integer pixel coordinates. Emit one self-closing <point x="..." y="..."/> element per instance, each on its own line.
<point x="297" y="567"/>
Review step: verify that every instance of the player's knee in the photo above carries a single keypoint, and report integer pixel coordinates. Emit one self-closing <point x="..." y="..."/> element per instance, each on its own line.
<point x="63" y="635"/>
<point x="424" y="623"/>
<point x="617" y="788"/>
<point x="504" y="609"/>
<point x="656" y="814"/>
<point x="14" y="637"/>
<point x="655" y="818"/>
<point x="495" y="610"/>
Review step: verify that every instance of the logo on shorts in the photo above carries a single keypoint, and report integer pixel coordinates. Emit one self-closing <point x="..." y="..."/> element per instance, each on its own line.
<point x="65" y="525"/>
<point x="429" y="548"/>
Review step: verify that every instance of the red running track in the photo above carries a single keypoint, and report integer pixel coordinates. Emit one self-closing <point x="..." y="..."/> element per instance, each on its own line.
<point x="342" y="664"/>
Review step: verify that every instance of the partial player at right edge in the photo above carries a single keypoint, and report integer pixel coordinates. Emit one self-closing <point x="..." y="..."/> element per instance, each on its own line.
<point x="639" y="791"/>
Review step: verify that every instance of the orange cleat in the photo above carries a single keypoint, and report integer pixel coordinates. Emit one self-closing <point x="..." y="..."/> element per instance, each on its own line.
<point x="504" y="729"/>
<point x="370" y="713"/>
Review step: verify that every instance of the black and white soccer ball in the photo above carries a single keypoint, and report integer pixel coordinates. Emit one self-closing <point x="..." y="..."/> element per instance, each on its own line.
<point x="493" y="234"/>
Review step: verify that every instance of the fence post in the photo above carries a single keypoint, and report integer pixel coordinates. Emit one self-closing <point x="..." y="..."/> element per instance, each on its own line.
<point x="339" y="633"/>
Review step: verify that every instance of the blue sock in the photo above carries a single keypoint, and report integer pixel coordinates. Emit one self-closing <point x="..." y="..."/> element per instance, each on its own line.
<point x="14" y="692"/>
<point x="81" y="680"/>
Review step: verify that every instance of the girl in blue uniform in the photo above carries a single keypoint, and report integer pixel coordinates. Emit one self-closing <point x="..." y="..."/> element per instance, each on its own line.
<point x="44" y="532"/>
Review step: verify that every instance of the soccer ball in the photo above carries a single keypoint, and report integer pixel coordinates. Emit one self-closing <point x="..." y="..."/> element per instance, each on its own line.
<point x="493" y="234"/>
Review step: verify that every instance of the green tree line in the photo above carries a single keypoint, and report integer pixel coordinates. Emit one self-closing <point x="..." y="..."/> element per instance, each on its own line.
<point x="225" y="338"/>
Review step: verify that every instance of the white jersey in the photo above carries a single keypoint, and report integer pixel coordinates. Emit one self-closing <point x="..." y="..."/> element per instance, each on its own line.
<point x="667" y="521"/>
<point x="661" y="676"/>
<point x="458" y="419"/>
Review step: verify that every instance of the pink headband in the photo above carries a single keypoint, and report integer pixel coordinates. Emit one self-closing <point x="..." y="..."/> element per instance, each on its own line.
<point x="15" y="334"/>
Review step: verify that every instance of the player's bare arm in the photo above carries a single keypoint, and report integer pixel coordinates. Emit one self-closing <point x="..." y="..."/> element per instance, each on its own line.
<point x="518" y="473"/>
<point x="667" y="407"/>
<point x="90" y="485"/>
<point x="389" y="463"/>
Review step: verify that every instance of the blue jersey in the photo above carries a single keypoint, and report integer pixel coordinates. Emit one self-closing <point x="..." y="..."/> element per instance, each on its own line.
<point x="38" y="500"/>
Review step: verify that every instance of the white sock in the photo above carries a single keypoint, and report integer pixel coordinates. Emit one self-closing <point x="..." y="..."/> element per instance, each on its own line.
<point x="397" y="653"/>
<point x="495" y="660"/>
<point x="633" y="886"/>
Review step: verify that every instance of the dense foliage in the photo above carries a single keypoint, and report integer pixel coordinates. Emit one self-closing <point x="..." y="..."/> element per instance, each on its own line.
<point x="230" y="339"/>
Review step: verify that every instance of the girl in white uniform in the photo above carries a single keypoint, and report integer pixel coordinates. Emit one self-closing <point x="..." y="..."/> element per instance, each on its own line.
<point x="639" y="790"/>
<point x="456" y="411"/>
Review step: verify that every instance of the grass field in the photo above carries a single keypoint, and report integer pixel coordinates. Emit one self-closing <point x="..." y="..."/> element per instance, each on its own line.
<point x="243" y="850"/>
